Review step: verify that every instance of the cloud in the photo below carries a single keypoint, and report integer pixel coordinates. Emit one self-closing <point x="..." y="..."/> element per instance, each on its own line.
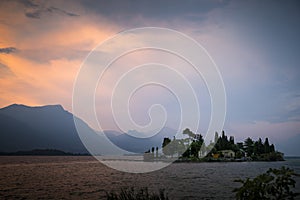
<point x="161" y="10"/>
<point x="35" y="14"/>
<point x="256" y="73"/>
<point x="35" y="11"/>
<point x="58" y="10"/>
<point x="7" y="50"/>
<point x="53" y="49"/>
<point x="50" y="83"/>
<point x="29" y="4"/>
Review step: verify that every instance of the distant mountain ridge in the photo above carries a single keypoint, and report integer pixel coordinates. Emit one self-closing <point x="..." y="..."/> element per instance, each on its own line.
<point x="24" y="128"/>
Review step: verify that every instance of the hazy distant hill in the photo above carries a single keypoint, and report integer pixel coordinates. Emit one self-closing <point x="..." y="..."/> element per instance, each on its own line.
<point x="24" y="128"/>
<point x="140" y="145"/>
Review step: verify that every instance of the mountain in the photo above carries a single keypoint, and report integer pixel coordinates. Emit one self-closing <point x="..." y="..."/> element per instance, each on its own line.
<point x="45" y="127"/>
<point x="24" y="128"/>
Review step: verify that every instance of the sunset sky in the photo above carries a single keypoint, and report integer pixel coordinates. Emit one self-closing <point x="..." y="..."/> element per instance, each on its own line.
<point x="255" y="44"/>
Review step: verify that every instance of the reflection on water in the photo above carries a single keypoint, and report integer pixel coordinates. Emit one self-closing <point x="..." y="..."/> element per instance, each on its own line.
<point x="132" y="164"/>
<point x="84" y="177"/>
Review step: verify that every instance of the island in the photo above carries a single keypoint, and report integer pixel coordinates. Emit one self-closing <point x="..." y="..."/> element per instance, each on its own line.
<point x="223" y="148"/>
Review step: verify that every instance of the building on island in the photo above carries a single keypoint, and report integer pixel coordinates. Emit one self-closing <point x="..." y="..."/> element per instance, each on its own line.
<point x="228" y="153"/>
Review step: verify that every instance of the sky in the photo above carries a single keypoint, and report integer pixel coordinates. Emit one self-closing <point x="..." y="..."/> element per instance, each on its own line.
<point x="255" y="45"/>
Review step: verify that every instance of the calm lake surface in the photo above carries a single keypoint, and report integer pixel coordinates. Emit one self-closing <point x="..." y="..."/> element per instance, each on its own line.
<point x="82" y="177"/>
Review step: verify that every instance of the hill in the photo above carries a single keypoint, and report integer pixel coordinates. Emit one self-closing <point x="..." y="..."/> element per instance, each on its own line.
<point x="24" y="128"/>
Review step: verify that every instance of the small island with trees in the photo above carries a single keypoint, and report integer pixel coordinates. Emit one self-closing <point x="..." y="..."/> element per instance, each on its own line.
<point x="193" y="149"/>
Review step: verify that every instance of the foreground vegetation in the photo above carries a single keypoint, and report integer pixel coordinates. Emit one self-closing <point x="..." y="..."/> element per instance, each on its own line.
<point x="274" y="184"/>
<point x="132" y="194"/>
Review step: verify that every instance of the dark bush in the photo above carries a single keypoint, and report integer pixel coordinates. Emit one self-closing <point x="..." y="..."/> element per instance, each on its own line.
<point x="131" y="194"/>
<point x="274" y="184"/>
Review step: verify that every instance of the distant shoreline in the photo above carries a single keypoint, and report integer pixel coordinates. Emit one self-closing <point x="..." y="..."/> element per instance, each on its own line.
<point x="55" y="152"/>
<point x="226" y="161"/>
<point x="42" y="152"/>
<point x="291" y="157"/>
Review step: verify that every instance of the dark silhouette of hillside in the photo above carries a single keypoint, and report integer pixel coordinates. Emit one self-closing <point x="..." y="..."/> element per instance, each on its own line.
<point x="24" y="128"/>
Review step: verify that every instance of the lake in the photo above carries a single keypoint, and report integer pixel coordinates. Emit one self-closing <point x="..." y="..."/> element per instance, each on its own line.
<point x="83" y="177"/>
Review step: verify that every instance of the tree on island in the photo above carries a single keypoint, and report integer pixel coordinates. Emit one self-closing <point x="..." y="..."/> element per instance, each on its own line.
<point x="196" y="146"/>
<point x="179" y="146"/>
<point x="267" y="146"/>
<point x="216" y="137"/>
<point x="248" y="146"/>
<point x="165" y="148"/>
<point x="258" y="147"/>
<point x="173" y="147"/>
<point x="189" y="133"/>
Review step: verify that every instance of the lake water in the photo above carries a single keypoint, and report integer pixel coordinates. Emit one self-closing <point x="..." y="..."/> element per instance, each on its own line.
<point x="83" y="177"/>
